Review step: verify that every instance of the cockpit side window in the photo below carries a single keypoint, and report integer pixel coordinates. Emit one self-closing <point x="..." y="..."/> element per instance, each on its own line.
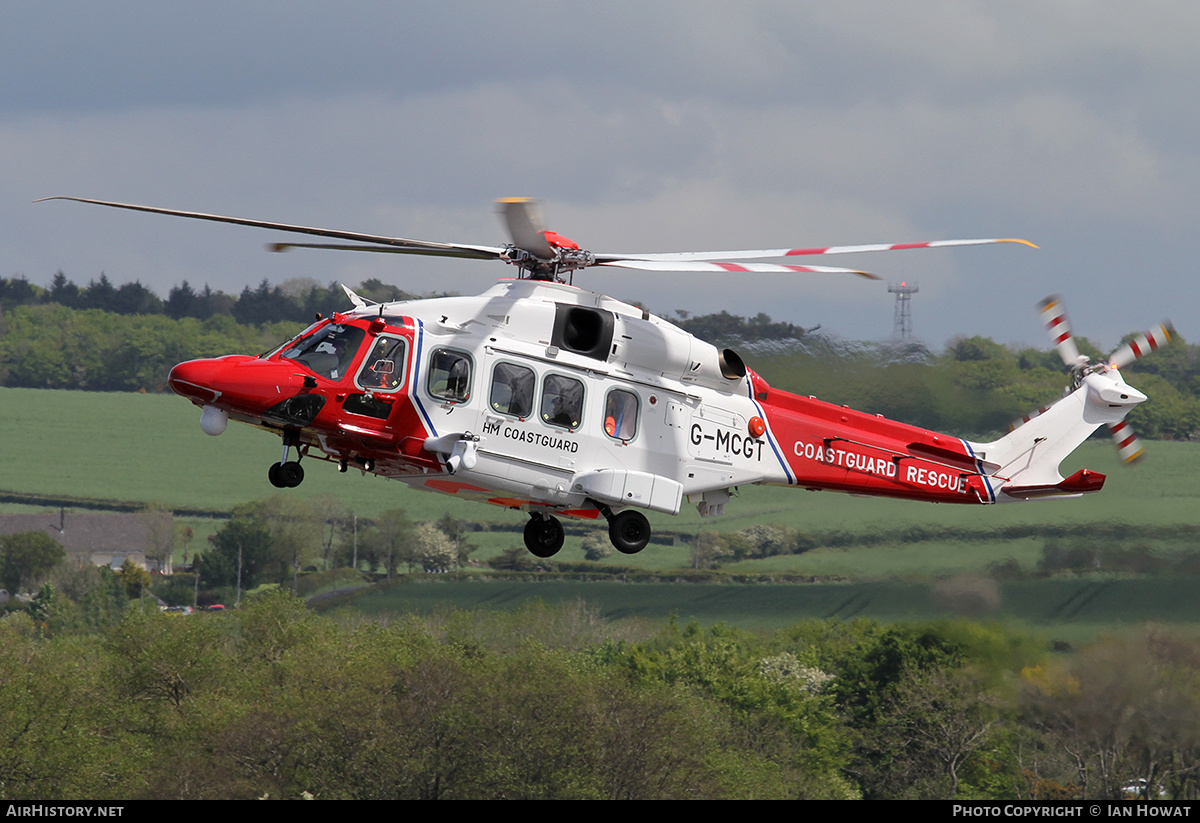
<point x="562" y="401"/>
<point x="383" y="368"/>
<point x="330" y="351"/>
<point x="450" y="375"/>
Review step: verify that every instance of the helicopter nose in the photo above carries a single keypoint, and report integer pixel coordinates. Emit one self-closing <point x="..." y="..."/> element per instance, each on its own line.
<point x="196" y="379"/>
<point x="236" y="382"/>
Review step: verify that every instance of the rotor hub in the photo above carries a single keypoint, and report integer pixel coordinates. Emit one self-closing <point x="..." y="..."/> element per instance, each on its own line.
<point x="553" y="269"/>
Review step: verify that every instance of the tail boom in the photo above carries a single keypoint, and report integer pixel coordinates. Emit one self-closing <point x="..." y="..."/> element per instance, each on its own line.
<point x="821" y="446"/>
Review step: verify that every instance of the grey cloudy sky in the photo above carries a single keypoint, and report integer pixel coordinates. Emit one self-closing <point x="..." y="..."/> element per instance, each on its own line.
<point x="661" y="126"/>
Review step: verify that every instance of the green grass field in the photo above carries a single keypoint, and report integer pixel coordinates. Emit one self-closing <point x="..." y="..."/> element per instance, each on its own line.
<point x="149" y="448"/>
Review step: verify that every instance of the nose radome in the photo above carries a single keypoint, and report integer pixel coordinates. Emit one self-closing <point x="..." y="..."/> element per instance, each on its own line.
<point x="236" y="379"/>
<point x="195" y="379"/>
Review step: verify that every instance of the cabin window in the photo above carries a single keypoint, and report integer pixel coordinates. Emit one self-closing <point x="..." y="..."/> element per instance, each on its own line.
<point x="330" y="351"/>
<point x="512" y="390"/>
<point x="562" y="401"/>
<point x="383" y="370"/>
<point x="450" y="375"/>
<point x="621" y="414"/>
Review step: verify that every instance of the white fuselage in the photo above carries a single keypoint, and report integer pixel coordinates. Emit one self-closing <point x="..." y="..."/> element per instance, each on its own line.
<point x="688" y="433"/>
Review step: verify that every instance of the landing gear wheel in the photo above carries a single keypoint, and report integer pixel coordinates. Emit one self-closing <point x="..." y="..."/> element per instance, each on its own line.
<point x="286" y="475"/>
<point x="544" y="535"/>
<point x="629" y="531"/>
<point x="292" y="474"/>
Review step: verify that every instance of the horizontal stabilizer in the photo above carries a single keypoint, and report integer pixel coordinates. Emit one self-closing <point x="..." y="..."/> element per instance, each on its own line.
<point x="1080" y="482"/>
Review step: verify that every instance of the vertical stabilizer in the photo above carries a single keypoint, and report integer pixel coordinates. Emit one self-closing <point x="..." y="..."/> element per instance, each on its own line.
<point x="1025" y="463"/>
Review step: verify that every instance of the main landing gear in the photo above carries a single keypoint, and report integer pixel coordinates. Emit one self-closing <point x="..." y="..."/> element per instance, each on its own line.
<point x="629" y="532"/>
<point x="543" y="535"/>
<point x="287" y="474"/>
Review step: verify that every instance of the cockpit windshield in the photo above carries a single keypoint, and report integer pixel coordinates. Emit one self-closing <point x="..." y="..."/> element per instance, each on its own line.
<point x="329" y="352"/>
<point x="291" y="341"/>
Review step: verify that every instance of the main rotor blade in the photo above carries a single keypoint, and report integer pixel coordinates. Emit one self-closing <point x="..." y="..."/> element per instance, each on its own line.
<point x="1142" y="345"/>
<point x="469" y="252"/>
<point x="523" y="217"/>
<point x="762" y="253"/>
<point x="528" y="234"/>
<point x="705" y="266"/>
<point x="1054" y="316"/>
<point x="400" y="243"/>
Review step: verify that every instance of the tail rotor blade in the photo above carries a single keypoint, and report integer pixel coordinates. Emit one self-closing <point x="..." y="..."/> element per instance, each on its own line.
<point x="1054" y="316"/>
<point x="1142" y="345"/>
<point x="523" y="218"/>
<point x="1129" y="447"/>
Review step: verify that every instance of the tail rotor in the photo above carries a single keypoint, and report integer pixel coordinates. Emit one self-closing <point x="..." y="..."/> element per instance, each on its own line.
<point x="1054" y="317"/>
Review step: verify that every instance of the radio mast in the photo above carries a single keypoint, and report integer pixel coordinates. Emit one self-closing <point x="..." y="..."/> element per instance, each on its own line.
<point x="902" y="322"/>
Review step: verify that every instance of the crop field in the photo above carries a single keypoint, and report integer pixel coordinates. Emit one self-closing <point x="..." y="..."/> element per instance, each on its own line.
<point x="1070" y="609"/>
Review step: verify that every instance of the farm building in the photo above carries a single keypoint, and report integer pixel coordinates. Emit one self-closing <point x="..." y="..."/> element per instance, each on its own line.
<point x="104" y="538"/>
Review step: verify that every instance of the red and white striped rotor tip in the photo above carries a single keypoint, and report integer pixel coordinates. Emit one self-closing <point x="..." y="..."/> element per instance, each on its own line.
<point x="1129" y="447"/>
<point x="1142" y="345"/>
<point x="1054" y="317"/>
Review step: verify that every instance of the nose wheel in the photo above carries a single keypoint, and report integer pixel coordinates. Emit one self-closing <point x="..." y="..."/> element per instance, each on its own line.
<point x="543" y="535"/>
<point x="286" y="474"/>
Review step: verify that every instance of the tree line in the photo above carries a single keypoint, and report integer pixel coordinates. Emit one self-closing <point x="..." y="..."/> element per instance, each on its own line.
<point x="296" y="300"/>
<point x="273" y="540"/>
<point x="107" y="338"/>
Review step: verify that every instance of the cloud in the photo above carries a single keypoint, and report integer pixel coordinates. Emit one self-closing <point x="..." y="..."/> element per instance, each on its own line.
<point x="675" y="126"/>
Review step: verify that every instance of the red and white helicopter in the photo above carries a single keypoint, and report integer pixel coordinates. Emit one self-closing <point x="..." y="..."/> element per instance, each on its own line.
<point x="541" y="396"/>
